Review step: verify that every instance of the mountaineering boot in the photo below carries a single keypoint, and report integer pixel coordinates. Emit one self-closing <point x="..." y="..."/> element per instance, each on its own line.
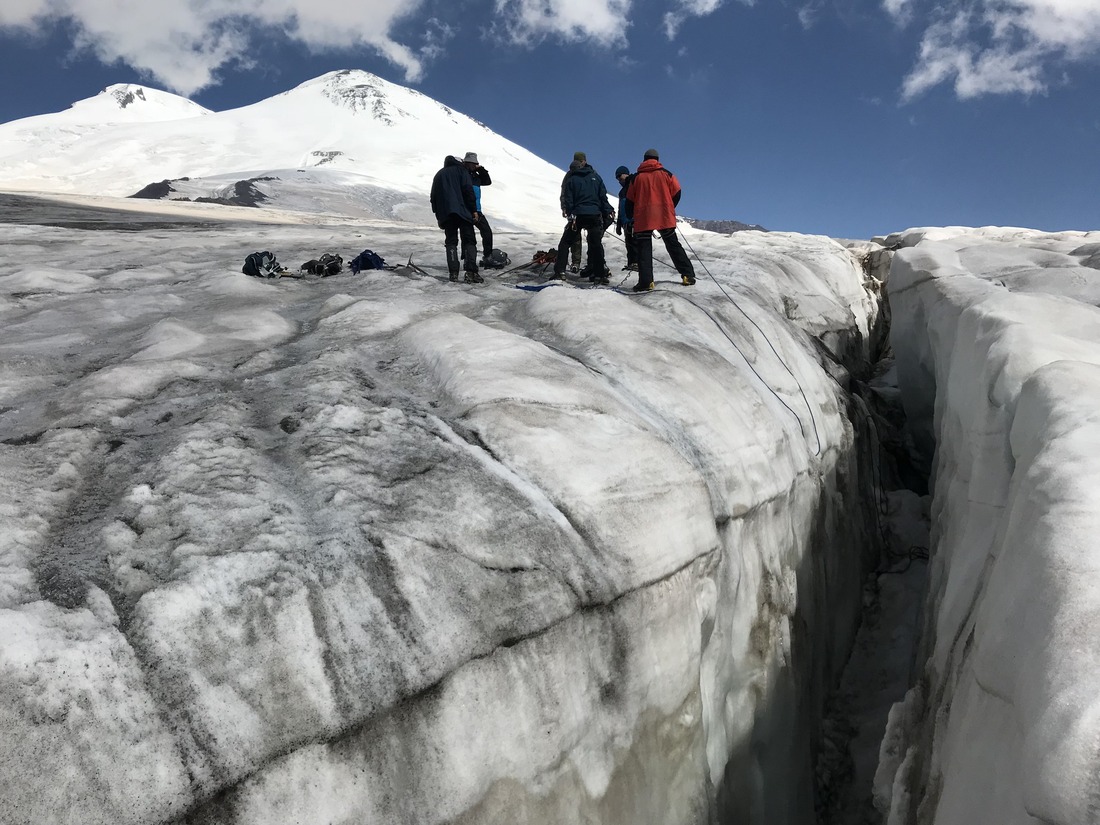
<point x="688" y="280"/>
<point x="575" y="268"/>
<point x="604" y="278"/>
<point x="452" y="262"/>
<point x="469" y="260"/>
<point x="640" y="287"/>
<point x="472" y="277"/>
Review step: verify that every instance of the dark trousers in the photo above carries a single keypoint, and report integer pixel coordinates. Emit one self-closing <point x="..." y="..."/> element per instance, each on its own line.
<point x="631" y="249"/>
<point x="593" y="225"/>
<point x="455" y="228"/>
<point x="486" y="235"/>
<point x="643" y="243"/>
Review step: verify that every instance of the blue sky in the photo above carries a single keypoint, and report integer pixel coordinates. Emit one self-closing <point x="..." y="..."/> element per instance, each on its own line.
<point x="840" y="117"/>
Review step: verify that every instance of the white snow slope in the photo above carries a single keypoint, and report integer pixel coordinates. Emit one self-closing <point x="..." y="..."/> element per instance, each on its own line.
<point x="347" y="143"/>
<point x="997" y="338"/>
<point x="384" y="548"/>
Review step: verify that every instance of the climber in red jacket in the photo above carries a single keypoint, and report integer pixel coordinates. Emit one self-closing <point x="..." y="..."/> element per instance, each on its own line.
<point x="654" y="193"/>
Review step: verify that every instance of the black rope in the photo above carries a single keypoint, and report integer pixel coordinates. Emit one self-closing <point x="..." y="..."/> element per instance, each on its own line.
<point x="911" y="554"/>
<point x="764" y="335"/>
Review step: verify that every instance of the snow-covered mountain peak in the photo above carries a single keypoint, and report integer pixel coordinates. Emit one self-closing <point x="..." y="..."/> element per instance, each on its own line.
<point x="125" y="93"/>
<point x="362" y="91"/>
<point x="131" y="102"/>
<point x="359" y="91"/>
<point x="380" y="145"/>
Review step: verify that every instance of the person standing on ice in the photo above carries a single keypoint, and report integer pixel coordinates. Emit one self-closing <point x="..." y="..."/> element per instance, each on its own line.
<point x="455" y="208"/>
<point x="584" y="204"/>
<point x="653" y="194"/>
<point x="481" y="178"/>
<point x="625" y="224"/>
<point x="579" y="160"/>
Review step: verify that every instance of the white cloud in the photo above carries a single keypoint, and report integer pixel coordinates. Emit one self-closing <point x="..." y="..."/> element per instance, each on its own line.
<point x="436" y="37"/>
<point x="808" y="14"/>
<point x="683" y="9"/>
<point x="1002" y="46"/>
<point x="21" y="13"/>
<point x="900" y="10"/>
<point x="183" y="43"/>
<point x="530" y="21"/>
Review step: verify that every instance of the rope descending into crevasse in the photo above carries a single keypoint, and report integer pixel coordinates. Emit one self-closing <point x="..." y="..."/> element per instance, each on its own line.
<point x="764" y="335"/>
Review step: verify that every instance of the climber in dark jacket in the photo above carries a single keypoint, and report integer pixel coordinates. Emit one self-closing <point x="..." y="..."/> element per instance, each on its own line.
<point x="625" y="224"/>
<point x="584" y="203"/>
<point x="481" y="178"/>
<point x="455" y="208"/>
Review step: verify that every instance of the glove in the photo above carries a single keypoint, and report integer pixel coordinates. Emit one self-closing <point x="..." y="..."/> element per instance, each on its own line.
<point x="618" y="229"/>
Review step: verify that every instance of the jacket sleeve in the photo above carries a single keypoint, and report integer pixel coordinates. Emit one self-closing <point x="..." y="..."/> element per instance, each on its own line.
<point x="674" y="189"/>
<point x="567" y="197"/>
<point x="483" y="178"/>
<point x="468" y="196"/>
<point x="601" y="195"/>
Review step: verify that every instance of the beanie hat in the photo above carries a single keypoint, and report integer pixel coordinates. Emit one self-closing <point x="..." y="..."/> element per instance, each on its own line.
<point x="622" y="170"/>
<point x="581" y="156"/>
<point x="651" y="153"/>
<point x="575" y="165"/>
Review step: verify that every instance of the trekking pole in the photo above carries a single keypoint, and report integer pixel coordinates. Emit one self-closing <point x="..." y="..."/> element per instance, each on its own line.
<point x="525" y="265"/>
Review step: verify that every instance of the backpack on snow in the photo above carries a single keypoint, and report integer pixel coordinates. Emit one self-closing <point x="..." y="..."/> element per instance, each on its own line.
<point x="497" y="259"/>
<point x="324" y="266"/>
<point x="262" y="265"/>
<point x="366" y="260"/>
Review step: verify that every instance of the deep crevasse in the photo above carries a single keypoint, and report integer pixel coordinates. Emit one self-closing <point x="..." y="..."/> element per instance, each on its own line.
<point x="996" y="333"/>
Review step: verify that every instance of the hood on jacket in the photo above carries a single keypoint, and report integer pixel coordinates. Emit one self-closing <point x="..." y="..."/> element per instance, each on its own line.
<point x="650" y="165"/>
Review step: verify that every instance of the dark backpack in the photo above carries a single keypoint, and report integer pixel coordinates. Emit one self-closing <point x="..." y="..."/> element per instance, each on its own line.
<point x="324" y="266"/>
<point x="498" y="259"/>
<point x="262" y="265"/>
<point x="547" y="257"/>
<point x="366" y="260"/>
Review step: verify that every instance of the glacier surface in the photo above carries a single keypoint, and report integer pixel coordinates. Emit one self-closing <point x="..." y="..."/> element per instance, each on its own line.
<point x="386" y="548"/>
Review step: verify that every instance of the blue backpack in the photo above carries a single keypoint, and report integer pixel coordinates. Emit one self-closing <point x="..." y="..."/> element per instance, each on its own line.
<point x="366" y="260"/>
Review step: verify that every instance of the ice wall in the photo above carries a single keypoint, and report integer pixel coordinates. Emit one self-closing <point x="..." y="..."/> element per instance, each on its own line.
<point x="388" y="549"/>
<point x="997" y="339"/>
